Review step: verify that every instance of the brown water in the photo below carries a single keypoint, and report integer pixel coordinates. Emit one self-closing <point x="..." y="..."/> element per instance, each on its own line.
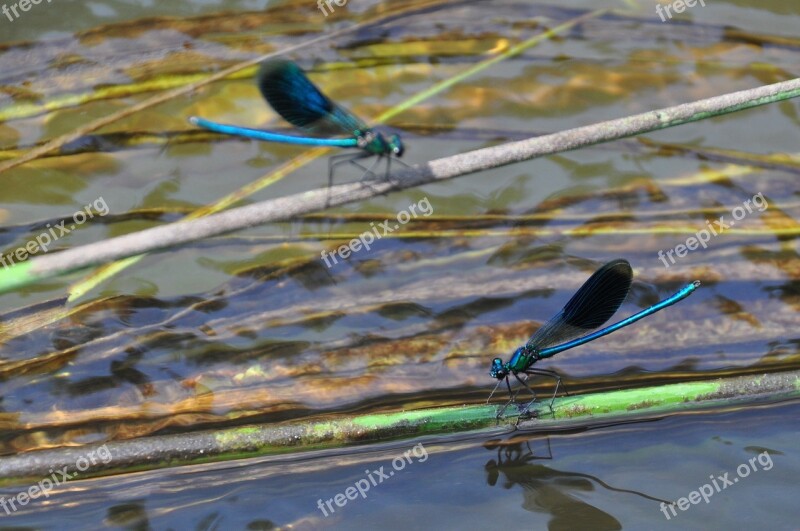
<point x="254" y="327"/>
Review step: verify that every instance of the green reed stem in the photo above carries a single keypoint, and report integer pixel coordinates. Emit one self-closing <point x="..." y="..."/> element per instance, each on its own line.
<point x="296" y="436"/>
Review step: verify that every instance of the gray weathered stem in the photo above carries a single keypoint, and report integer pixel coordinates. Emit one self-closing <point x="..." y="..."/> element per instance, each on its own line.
<point x="437" y="170"/>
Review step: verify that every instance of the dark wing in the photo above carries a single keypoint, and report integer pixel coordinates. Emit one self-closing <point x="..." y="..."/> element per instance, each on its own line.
<point x="591" y="306"/>
<point x="287" y="89"/>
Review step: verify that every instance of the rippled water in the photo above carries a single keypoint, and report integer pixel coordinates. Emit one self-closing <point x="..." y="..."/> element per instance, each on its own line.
<point x="254" y="327"/>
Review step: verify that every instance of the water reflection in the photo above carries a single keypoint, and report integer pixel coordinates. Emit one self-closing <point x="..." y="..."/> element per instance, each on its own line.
<point x="546" y="490"/>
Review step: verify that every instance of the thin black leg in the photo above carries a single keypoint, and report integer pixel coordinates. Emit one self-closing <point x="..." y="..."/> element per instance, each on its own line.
<point x="336" y="160"/>
<point x="549" y="450"/>
<point x="510" y="401"/>
<point x="552" y="374"/>
<point x="403" y="163"/>
<point x="525" y="384"/>
<point x="359" y="166"/>
<point x="343" y="158"/>
<point x="389" y="166"/>
<point x="371" y="168"/>
<point x="493" y="391"/>
<point x="388" y="175"/>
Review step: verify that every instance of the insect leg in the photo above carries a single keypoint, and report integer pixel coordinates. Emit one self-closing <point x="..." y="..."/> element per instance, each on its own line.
<point x="552" y="374"/>
<point x="337" y="160"/>
<point x="513" y="396"/>
<point x="524" y="383"/>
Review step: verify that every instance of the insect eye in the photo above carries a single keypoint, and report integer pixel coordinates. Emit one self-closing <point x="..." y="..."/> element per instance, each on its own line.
<point x="397" y="146"/>
<point x="497" y="370"/>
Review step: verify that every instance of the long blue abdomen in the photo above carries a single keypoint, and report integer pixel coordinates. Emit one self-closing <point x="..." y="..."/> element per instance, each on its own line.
<point x="268" y="136"/>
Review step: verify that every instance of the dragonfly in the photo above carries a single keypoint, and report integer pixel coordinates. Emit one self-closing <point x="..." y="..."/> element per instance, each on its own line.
<point x="297" y="100"/>
<point x="589" y="308"/>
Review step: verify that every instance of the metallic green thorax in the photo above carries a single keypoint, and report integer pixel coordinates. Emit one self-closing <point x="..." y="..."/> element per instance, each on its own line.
<point x="522" y="359"/>
<point x="377" y="144"/>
